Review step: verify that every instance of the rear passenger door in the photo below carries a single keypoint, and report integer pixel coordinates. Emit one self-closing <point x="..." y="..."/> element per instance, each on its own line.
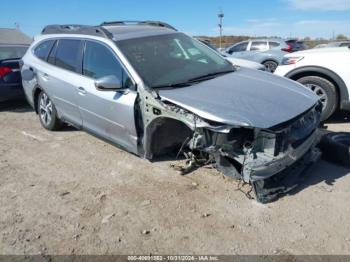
<point x="109" y="114"/>
<point x="258" y="46"/>
<point x="64" y="78"/>
<point x="255" y="48"/>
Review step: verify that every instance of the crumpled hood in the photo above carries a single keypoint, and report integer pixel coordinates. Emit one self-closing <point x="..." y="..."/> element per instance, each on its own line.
<point x="245" y="97"/>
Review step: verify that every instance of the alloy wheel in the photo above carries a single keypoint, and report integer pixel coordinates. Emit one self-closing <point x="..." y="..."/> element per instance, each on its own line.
<point x="45" y="109"/>
<point x="319" y="92"/>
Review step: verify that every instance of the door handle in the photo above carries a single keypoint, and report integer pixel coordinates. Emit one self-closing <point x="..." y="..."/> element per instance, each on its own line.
<point x="81" y="90"/>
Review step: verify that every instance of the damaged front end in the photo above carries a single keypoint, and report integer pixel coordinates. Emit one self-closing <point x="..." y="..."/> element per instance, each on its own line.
<point x="270" y="160"/>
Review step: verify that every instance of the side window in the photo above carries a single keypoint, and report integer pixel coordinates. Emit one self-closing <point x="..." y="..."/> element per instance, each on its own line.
<point x="43" y="50"/>
<point x="239" y="48"/>
<point x="274" y="44"/>
<point x="345" y="45"/>
<point x="67" y="54"/>
<point x="258" y="46"/>
<point x="99" y="61"/>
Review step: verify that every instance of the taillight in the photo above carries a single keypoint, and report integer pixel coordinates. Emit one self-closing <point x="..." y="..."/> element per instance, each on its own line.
<point x="289" y="49"/>
<point x="4" y="70"/>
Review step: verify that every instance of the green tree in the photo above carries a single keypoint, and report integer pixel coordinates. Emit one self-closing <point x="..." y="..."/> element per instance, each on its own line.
<point x="341" y="37"/>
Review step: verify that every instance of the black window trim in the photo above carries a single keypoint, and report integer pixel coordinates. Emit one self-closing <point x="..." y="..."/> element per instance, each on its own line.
<point x="53" y="49"/>
<point x="83" y="41"/>
<point x="40" y="43"/>
<point x="56" y="39"/>
<point x="78" y="69"/>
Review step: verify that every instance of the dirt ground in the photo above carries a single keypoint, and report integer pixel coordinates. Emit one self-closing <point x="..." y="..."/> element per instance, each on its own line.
<point x="68" y="192"/>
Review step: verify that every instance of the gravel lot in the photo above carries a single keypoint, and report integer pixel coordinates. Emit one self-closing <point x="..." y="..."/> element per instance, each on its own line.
<point x="68" y="192"/>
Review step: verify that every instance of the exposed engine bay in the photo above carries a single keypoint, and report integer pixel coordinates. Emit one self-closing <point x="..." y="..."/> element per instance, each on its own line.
<point x="270" y="160"/>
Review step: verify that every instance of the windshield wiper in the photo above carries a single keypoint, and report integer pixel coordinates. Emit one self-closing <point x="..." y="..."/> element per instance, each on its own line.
<point x="195" y="80"/>
<point x="184" y="84"/>
<point x="210" y="75"/>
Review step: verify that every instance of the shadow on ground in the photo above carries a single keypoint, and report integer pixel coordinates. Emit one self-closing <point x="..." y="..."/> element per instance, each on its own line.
<point x="339" y="117"/>
<point x="17" y="106"/>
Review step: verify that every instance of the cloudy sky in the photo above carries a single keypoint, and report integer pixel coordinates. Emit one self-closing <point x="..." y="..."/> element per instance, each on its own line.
<point x="296" y="18"/>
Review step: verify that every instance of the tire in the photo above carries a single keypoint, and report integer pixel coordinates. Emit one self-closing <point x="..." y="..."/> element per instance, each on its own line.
<point x="270" y="66"/>
<point x="47" y="113"/>
<point x="327" y="92"/>
<point x="336" y="148"/>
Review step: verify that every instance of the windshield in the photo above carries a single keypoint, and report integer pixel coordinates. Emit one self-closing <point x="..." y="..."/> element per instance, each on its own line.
<point x="170" y="59"/>
<point x="9" y="52"/>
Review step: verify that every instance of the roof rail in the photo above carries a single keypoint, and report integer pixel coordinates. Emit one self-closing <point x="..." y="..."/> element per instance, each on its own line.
<point x="77" y="29"/>
<point x="151" y="23"/>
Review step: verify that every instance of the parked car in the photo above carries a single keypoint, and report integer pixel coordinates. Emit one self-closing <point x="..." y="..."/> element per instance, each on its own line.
<point x="10" y="75"/>
<point x="325" y="72"/>
<point x="268" y="52"/>
<point x="334" y="44"/>
<point x="296" y="45"/>
<point x="156" y="91"/>
<point x="235" y="61"/>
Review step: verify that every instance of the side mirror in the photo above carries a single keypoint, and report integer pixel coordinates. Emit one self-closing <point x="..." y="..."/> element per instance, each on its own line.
<point x="108" y="83"/>
<point x="27" y="74"/>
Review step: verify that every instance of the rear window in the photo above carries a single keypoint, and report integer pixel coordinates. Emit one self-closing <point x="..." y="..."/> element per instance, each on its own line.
<point x="68" y="54"/>
<point x="43" y="50"/>
<point x="9" y="52"/>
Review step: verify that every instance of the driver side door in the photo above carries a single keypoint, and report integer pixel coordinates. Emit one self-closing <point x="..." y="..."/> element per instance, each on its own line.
<point x="109" y="114"/>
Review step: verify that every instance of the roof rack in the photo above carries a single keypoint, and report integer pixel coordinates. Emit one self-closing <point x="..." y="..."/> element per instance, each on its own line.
<point x="151" y="23"/>
<point x="77" y="29"/>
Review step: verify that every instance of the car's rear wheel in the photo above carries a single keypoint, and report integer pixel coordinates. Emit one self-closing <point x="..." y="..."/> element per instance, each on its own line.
<point x="47" y="113"/>
<point x="270" y="66"/>
<point x="325" y="90"/>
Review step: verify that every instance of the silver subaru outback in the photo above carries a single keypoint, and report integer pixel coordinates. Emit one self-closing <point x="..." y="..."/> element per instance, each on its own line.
<point x="155" y="91"/>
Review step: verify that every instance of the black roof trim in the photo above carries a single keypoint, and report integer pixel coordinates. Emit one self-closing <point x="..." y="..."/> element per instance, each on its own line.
<point x="77" y="29"/>
<point x="151" y="23"/>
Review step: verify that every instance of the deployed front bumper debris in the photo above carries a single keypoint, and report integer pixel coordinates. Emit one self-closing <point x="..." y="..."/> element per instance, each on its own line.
<point x="269" y="189"/>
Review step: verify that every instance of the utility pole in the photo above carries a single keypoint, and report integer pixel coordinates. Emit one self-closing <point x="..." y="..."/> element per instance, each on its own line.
<point x="221" y="17"/>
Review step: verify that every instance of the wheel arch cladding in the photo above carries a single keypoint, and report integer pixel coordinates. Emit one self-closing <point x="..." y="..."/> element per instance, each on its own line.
<point x="325" y="73"/>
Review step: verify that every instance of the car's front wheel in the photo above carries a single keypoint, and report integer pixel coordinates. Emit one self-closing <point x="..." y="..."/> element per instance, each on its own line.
<point x="47" y="113"/>
<point x="325" y="90"/>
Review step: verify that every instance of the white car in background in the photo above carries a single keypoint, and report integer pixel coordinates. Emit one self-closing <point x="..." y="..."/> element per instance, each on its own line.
<point x="324" y="71"/>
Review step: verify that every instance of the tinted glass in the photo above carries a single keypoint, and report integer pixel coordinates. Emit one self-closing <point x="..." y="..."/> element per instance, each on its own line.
<point x="67" y="54"/>
<point x="43" y="50"/>
<point x="99" y="61"/>
<point x="258" y="46"/>
<point x="345" y="44"/>
<point x="9" y="52"/>
<point x="51" y="59"/>
<point x="164" y="60"/>
<point x="239" y="48"/>
<point x="274" y="44"/>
